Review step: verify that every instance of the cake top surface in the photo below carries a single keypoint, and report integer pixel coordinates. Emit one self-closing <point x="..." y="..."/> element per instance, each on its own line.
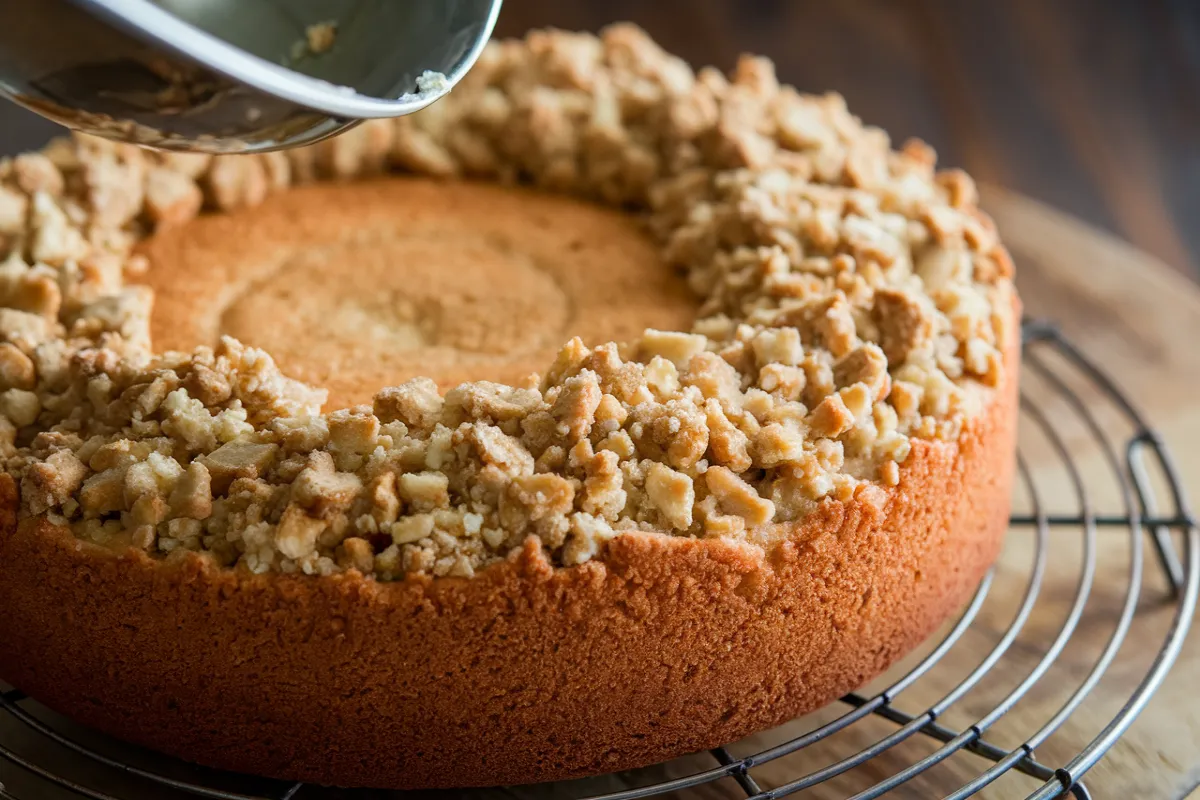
<point x="355" y="286"/>
<point x="851" y="300"/>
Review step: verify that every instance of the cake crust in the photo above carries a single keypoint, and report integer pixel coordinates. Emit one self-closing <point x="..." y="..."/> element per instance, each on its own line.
<point x="523" y="673"/>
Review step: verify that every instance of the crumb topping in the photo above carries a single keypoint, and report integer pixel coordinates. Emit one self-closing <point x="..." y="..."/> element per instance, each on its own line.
<point x="853" y="299"/>
<point x="319" y="38"/>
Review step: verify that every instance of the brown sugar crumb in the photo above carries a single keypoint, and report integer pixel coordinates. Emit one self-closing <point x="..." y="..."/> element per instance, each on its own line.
<point x="320" y="37"/>
<point x="237" y="459"/>
<point x="672" y="493"/>
<point x="191" y="496"/>
<point x="357" y="554"/>
<point x="735" y="496"/>
<point x="321" y="489"/>
<point x="425" y="491"/>
<point x="417" y="404"/>
<point x="728" y="444"/>
<point x="52" y="482"/>
<point x="852" y="300"/>
<point x="172" y="198"/>
<point x="296" y="534"/>
<point x="906" y="325"/>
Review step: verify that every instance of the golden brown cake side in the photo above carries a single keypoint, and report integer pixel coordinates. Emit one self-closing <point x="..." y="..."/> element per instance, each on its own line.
<point x="524" y="673"/>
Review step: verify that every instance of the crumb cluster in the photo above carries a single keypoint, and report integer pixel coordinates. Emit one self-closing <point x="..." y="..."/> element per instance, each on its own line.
<point x="319" y="38"/>
<point x="853" y="299"/>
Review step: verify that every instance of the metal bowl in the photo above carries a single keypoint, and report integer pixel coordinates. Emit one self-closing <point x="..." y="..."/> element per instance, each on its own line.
<point x="233" y="75"/>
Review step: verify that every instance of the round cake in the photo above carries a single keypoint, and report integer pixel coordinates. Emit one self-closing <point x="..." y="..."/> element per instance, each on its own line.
<point x="603" y="412"/>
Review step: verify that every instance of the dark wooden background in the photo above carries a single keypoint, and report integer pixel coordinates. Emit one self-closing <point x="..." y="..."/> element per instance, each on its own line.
<point x="1090" y="105"/>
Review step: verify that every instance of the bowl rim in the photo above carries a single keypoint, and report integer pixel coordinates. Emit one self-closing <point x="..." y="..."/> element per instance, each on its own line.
<point x="148" y="21"/>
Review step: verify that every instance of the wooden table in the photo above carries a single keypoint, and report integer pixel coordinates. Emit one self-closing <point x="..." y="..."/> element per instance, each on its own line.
<point x="1136" y="315"/>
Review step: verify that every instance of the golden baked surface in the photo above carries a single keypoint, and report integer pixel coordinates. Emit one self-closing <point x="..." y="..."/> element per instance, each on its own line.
<point x="353" y="287"/>
<point x="852" y="302"/>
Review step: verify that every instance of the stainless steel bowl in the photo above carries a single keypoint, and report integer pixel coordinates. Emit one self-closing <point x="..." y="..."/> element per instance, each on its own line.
<point x="233" y="75"/>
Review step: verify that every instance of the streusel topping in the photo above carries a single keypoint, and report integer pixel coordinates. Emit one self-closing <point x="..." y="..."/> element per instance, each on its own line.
<point x="853" y="299"/>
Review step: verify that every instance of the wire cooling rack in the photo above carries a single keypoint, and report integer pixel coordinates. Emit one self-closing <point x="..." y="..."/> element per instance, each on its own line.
<point x="1083" y="529"/>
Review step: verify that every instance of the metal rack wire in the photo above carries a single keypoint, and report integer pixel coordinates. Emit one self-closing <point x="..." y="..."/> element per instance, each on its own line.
<point x="1064" y="382"/>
